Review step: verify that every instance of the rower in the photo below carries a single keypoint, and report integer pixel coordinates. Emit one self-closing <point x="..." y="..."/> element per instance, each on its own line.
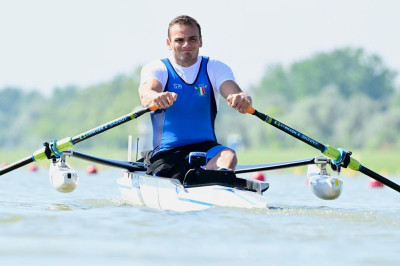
<point x="185" y="90"/>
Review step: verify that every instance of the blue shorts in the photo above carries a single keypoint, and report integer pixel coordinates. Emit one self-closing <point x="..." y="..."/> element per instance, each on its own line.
<point x="215" y="150"/>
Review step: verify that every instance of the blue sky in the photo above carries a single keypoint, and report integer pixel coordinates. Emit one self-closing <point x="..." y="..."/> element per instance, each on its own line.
<point x="48" y="43"/>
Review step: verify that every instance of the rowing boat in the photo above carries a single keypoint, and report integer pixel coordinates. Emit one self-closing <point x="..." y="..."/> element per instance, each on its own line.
<point x="162" y="193"/>
<point x="199" y="189"/>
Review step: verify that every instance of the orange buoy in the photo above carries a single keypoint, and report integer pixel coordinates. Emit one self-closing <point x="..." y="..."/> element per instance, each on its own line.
<point x="258" y="176"/>
<point x="91" y="169"/>
<point x="3" y="164"/>
<point x="32" y="168"/>
<point x="374" y="183"/>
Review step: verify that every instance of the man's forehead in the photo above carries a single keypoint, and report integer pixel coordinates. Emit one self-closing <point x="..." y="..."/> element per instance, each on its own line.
<point x="183" y="30"/>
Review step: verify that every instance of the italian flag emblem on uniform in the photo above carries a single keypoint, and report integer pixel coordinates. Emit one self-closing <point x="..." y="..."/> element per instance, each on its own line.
<point x="201" y="90"/>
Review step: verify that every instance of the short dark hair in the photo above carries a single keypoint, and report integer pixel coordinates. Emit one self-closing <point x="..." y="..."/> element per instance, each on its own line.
<point x="184" y="20"/>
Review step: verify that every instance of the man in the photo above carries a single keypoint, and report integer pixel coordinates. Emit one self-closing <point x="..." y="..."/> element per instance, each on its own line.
<point x="185" y="88"/>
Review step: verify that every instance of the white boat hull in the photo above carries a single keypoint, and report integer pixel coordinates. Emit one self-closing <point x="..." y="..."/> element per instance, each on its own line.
<point x="169" y="194"/>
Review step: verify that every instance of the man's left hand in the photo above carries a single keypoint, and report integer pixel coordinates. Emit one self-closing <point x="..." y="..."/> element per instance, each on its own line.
<point x="239" y="101"/>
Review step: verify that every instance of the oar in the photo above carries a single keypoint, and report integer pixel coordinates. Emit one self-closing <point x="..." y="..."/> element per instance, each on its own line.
<point x="57" y="147"/>
<point x="338" y="155"/>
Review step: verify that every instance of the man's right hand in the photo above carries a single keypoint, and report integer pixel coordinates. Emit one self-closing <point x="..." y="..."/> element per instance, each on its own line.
<point x="164" y="100"/>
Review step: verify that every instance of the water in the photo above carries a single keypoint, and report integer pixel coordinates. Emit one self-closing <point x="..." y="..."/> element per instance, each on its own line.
<point x="91" y="226"/>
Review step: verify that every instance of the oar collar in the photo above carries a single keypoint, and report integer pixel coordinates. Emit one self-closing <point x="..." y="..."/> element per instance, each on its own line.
<point x="343" y="160"/>
<point x="51" y="148"/>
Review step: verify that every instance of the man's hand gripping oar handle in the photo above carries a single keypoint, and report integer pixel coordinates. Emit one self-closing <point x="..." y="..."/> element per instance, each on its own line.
<point x="339" y="156"/>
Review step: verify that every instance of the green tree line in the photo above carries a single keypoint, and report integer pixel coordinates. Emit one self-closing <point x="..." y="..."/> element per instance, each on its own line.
<point x="29" y="118"/>
<point x="344" y="97"/>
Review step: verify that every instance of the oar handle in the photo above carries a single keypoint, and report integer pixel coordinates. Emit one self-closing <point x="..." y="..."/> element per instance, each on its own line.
<point x="250" y="110"/>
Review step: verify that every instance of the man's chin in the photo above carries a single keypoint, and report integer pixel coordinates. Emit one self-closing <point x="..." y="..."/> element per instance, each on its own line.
<point x="187" y="59"/>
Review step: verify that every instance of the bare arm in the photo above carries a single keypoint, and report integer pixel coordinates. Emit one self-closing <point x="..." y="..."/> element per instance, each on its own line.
<point x="151" y="93"/>
<point x="235" y="97"/>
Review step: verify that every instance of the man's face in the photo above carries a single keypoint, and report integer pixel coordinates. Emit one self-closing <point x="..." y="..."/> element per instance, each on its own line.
<point x="184" y="42"/>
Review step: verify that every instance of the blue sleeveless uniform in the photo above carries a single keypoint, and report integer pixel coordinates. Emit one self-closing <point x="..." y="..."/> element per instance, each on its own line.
<point x="191" y="118"/>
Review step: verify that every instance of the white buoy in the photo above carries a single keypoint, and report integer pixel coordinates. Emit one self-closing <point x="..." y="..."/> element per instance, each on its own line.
<point x="322" y="184"/>
<point x="62" y="177"/>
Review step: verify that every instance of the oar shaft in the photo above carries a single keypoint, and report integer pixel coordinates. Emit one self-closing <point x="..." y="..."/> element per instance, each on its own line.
<point x="379" y="178"/>
<point x="109" y="125"/>
<point x="68" y="143"/>
<point x="328" y="150"/>
<point x="287" y="129"/>
<point x="16" y="165"/>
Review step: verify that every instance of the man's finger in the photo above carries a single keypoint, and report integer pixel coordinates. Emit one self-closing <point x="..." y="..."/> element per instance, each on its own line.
<point x="232" y="100"/>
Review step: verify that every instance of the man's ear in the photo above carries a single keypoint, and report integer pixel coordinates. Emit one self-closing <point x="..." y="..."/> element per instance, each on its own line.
<point x="169" y="44"/>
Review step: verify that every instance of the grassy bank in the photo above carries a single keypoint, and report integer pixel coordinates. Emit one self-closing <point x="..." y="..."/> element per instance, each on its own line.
<point x="385" y="162"/>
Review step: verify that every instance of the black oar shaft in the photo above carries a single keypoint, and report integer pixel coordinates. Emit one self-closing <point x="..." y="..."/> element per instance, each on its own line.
<point x="379" y="178"/>
<point x="290" y="131"/>
<point x="109" y="125"/>
<point x="16" y="165"/>
<point x="325" y="149"/>
<point x="67" y="143"/>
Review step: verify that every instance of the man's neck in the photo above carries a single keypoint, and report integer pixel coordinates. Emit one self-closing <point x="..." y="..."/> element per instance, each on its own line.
<point x="183" y="63"/>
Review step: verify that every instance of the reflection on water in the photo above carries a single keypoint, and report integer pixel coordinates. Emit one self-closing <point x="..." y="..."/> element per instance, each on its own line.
<point x="91" y="226"/>
<point x="59" y="207"/>
<point x="12" y="219"/>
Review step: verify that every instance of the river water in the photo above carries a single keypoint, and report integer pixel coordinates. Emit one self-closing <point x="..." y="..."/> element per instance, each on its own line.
<point x="91" y="226"/>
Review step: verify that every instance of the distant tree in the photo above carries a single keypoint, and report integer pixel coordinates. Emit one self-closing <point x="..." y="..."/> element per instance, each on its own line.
<point x="71" y="111"/>
<point x="9" y="100"/>
<point x="351" y="70"/>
